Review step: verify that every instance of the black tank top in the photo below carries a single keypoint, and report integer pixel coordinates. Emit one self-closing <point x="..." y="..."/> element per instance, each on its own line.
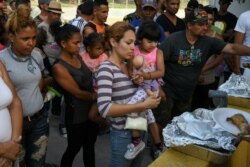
<point x="77" y="109"/>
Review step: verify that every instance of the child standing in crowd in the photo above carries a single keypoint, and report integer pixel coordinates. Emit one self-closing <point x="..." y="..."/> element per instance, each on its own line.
<point x="151" y="66"/>
<point x="93" y="56"/>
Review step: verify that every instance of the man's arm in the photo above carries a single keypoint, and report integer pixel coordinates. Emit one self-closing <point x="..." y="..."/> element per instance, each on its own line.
<point x="239" y="38"/>
<point x="236" y="49"/>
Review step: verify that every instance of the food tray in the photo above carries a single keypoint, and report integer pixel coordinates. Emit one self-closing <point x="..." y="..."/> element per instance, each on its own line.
<point x="204" y="153"/>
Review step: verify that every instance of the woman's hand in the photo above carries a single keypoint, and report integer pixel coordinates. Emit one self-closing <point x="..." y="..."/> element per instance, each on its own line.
<point x="152" y="102"/>
<point x="5" y="162"/>
<point x="137" y="79"/>
<point x="10" y="149"/>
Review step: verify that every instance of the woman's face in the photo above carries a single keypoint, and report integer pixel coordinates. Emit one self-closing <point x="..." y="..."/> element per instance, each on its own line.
<point x="72" y="45"/>
<point x="23" y="41"/>
<point x="125" y="47"/>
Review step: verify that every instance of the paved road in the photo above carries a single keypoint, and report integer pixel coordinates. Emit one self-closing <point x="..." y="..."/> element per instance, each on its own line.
<point x="70" y="12"/>
<point x="114" y="13"/>
<point x="57" y="146"/>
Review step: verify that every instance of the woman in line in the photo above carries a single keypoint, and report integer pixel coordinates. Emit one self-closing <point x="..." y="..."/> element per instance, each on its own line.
<point x="25" y="66"/>
<point x="10" y="120"/>
<point x="75" y="80"/>
<point x="115" y="88"/>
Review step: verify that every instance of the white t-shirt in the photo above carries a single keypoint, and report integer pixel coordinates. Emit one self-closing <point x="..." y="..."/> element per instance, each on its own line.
<point x="5" y="120"/>
<point x="243" y="26"/>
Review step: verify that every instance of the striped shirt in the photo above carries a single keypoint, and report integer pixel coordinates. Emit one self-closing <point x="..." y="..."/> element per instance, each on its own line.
<point x="80" y="23"/>
<point x="113" y="87"/>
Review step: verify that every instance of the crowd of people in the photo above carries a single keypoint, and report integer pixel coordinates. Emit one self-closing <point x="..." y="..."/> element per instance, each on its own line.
<point x="125" y="78"/>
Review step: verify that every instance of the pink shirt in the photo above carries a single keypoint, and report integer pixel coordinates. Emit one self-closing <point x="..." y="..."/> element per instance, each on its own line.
<point x="93" y="64"/>
<point x="149" y="59"/>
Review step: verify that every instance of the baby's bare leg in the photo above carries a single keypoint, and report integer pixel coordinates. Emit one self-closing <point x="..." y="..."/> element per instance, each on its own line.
<point x="136" y="133"/>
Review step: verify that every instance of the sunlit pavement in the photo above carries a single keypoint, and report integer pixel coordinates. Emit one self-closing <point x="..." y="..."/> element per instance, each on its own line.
<point x="114" y="13"/>
<point x="57" y="145"/>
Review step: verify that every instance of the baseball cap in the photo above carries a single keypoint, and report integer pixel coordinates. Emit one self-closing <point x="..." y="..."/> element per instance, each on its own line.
<point x="151" y="3"/>
<point x="196" y="16"/>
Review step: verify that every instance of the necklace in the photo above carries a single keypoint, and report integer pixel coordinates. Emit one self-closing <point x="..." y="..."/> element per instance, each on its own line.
<point x="30" y="66"/>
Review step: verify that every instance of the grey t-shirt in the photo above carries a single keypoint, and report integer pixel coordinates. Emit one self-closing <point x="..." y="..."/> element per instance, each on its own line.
<point x="183" y="62"/>
<point x="25" y="82"/>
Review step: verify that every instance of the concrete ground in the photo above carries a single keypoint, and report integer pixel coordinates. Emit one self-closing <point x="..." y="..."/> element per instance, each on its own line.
<point x="57" y="145"/>
<point x="115" y="14"/>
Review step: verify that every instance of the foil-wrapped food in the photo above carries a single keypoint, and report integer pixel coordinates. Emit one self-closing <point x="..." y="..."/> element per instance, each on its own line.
<point x="198" y="127"/>
<point x="237" y="86"/>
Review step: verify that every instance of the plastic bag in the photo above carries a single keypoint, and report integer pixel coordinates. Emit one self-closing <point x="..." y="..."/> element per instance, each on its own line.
<point x="138" y="123"/>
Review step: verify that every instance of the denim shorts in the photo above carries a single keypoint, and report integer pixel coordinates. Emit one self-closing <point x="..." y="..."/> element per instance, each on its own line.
<point x="35" y="140"/>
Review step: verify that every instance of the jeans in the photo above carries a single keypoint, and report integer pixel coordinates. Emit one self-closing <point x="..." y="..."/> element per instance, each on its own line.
<point x="119" y="141"/>
<point x="35" y="140"/>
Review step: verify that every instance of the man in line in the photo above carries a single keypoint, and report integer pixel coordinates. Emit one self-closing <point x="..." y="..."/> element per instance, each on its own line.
<point x="50" y="48"/>
<point x="185" y="54"/>
<point x="101" y="10"/>
<point x="149" y="9"/>
<point x="136" y="14"/>
<point x="84" y="15"/>
<point x="168" y="20"/>
<point x="242" y="36"/>
<point x="229" y="20"/>
<point x="43" y="6"/>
